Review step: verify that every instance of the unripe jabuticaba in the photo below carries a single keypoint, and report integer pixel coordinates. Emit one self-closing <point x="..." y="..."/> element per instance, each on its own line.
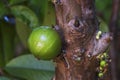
<point x="44" y="43"/>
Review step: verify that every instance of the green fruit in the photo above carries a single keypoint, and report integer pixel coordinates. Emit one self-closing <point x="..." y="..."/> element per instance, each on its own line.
<point x="100" y="74"/>
<point x="44" y="43"/>
<point x="103" y="63"/>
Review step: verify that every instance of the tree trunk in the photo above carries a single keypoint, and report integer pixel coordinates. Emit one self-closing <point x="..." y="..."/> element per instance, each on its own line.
<point x="113" y="27"/>
<point x="82" y="41"/>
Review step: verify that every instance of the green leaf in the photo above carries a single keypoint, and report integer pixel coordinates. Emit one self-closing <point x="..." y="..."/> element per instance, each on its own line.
<point x="29" y="68"/>
<point x="4" y="78"/>
<point x="25" y="14"/>
<point x="49" y="18"/>
<point x="23" y="31"/>
<point x="8" y="34"/>
<point x="103" y="26"/>
<point x="45" y="11"/>
<point x="13" y="2"/>
<point x="39" y="7"/>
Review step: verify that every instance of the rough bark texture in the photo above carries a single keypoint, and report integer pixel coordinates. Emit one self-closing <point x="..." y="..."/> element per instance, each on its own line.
<point x="78" y="27"/>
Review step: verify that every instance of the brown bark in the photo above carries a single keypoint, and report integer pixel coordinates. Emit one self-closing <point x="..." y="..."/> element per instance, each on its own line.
<point x="78" y="27"/>
<point x="113" y="30"/>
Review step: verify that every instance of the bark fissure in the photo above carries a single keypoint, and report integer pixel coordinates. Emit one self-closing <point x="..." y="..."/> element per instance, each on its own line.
<point x="78" y="27"/>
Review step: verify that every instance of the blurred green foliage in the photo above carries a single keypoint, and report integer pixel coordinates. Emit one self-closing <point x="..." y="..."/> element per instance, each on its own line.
<point x="3" y="9"/>
<point x="104" y="9"/>
<point x="4" y="78"/>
